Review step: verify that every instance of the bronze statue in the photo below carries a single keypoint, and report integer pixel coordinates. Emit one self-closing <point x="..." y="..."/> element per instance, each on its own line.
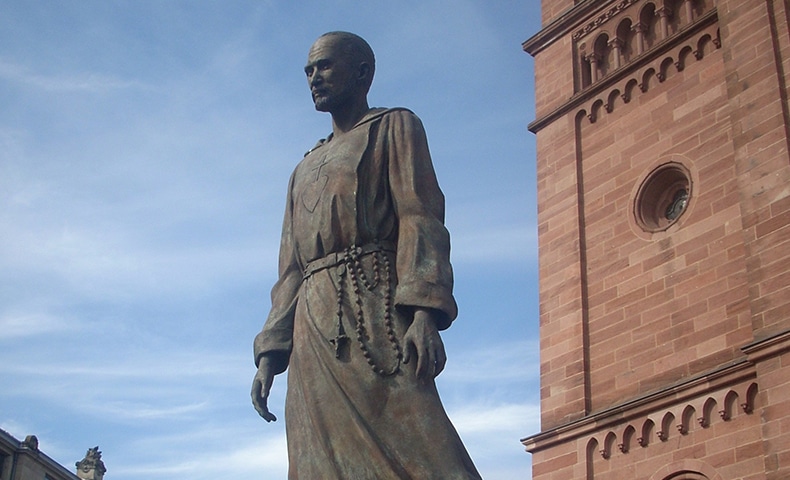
<point x="365" y="285"/>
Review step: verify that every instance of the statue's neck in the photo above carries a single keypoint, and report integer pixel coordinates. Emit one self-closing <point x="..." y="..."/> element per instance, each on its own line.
<point x="344" y="119"/>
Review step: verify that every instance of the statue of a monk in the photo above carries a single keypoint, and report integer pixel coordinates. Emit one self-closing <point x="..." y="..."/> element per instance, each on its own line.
<point x="365" y="285"/>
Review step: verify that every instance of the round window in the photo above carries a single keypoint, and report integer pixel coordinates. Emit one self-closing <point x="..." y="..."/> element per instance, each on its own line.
<point x="663" y="197"/>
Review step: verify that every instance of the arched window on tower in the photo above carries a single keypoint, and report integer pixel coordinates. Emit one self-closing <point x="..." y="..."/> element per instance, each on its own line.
<point x="585" y="67"/>
<point x="626" y="35"/>
<point x="601" y="61"/>
<point x="676" y="19"/>
<point x="648" y="21"/>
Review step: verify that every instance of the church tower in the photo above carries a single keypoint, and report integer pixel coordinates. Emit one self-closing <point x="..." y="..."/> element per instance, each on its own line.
<point x="663" y="134"/>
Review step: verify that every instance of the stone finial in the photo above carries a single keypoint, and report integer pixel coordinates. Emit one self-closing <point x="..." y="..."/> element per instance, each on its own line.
<point x="31" y="442"/>
<point x="91" y="467"/>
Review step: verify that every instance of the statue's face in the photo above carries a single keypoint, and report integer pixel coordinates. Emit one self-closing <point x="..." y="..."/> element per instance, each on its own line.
<point x="331" y="74"/>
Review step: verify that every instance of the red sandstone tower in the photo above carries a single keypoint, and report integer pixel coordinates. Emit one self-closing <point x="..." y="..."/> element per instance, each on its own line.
<point x="663" y="134"/>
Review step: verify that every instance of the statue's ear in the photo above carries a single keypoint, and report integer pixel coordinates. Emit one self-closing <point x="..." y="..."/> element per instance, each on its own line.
<point x="364" y="72"/>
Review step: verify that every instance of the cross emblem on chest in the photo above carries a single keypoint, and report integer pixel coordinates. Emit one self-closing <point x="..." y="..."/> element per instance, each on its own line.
<point x="317" y="168"/>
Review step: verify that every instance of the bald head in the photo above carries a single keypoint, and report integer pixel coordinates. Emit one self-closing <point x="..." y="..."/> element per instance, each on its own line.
<point x="339" y="72"/>
<point x="356" y="50"/>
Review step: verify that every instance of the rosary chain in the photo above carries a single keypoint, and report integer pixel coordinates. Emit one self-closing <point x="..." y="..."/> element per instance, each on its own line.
<point x="357" y="276"/>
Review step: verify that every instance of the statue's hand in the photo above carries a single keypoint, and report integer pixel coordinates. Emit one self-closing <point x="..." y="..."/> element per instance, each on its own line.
<point x="261" y="385"/>
<point x="423" y="341"/>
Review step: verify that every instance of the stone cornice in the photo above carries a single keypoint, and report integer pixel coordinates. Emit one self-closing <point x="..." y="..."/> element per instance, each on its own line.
<point x="603" y="17"/>
<point x="563" y="24"/>
<point x="767" y="347"/>
<point x="728" y="374"/>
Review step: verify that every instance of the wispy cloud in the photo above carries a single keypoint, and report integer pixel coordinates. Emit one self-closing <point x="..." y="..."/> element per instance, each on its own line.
<point x="512" y="244"/>
<point x="15" y="428"/>
<point x="491" y="433"/>
<point x="80" y="82"/>
<point x="232" y="458"/>
<point x="485" y="418"/>
<point x="499" y="363"/>
<point x="144" y="411"/>
<point x="146" y="365"/>
<point x="15" y="326"/>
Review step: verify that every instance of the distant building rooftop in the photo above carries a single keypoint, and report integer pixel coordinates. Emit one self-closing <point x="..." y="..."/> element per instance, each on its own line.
<point x="22" y="460"/>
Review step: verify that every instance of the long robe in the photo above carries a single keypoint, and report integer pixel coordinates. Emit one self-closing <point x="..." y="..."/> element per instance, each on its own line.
<point x="353" y="409"/>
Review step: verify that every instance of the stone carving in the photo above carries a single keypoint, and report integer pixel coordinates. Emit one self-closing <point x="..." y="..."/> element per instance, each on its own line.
<point x="629" y="30"/>
<point x="365" y="285"/>
<point x="31" y="442"/>
<point x="91" y="467"/>
<point x="603" y="18"/>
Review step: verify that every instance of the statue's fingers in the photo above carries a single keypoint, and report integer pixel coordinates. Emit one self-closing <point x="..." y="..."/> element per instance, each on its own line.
<point x="441" y="360"/>
<point x="268" y="416"/>
<point x="261" y="406"/>
<point x="406" y="352"/>
<point x="422" y="364"/>
<point x="255" y="393"/>
<point x="259" y="399"/>
<point x="430" y="370"/>
<point x="258" y="403"/>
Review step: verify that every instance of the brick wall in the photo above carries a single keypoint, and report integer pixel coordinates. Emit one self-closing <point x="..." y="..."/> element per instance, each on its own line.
<point x="755" y="40"/>
<point x="639" y="323"/>
<point x="772" y="359"/>
<point x="553" y="78"/>
<point x="551" y="9"/>
<point x="672" y="304"/>
<point x="561" y="321"/>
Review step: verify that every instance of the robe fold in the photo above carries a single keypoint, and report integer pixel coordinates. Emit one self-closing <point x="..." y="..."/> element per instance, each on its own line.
<point x="353" y="409"/>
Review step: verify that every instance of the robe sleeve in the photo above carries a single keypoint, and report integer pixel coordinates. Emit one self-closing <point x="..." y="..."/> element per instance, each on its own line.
<point x="425" y="276"/>
<point x="276" y="338"/>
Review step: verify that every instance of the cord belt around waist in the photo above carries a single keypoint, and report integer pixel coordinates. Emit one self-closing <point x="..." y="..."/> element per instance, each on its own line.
<point x="337" y="258"/>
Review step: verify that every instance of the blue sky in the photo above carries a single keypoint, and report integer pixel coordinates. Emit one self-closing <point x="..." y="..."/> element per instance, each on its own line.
<point x="145" y="148"/>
